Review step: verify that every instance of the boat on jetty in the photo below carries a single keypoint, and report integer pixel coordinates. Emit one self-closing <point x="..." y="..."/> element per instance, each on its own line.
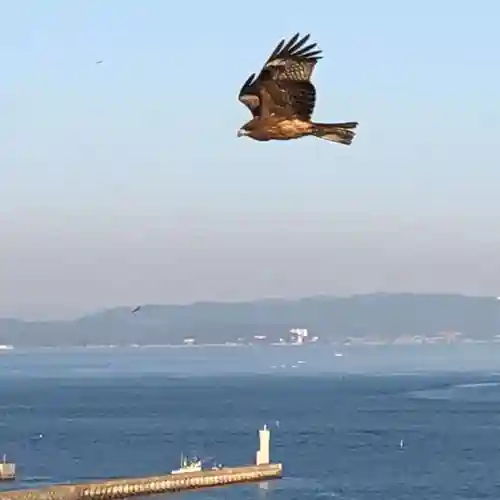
<point x="194" y="465"/>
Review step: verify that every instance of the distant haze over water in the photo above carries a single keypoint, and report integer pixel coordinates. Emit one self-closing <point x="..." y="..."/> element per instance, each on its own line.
<point x="307" y="360"/>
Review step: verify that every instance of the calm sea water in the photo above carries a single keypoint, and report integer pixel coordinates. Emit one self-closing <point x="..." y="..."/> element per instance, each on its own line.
<point x="336" y="422"/>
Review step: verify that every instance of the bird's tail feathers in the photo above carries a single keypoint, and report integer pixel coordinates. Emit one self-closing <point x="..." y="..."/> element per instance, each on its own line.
<point x="335" y="132"/>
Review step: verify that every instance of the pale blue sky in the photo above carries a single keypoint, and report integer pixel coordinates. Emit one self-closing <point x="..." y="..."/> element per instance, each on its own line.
<point x="124" y="182"/>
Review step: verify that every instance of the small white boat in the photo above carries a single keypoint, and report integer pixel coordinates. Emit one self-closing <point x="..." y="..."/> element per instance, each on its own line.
<point x="194" y="465"/>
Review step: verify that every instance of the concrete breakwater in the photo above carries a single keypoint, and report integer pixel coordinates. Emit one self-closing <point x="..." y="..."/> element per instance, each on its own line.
<point x="263" y="470"/>
<point x="123" y="488"/>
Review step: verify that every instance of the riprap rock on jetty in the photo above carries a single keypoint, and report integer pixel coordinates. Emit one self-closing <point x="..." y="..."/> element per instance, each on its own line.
<point x="121" y="488"/>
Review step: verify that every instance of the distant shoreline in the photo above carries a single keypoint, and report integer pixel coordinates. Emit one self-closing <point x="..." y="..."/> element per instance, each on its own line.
<point x="333" y="346"/>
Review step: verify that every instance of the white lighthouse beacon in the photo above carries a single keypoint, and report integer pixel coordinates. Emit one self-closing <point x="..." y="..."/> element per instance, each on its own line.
<point x="262" y="457"/>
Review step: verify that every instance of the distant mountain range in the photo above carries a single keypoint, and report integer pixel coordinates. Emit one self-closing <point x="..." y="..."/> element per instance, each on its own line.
<point x="375" y="316"/>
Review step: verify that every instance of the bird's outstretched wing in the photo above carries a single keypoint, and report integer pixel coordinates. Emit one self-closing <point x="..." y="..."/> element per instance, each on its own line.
<point x="250" y="96"/>
<point x="286" y="77"/>
<point x="290" y="99"/>
<point x="293" y="60"/>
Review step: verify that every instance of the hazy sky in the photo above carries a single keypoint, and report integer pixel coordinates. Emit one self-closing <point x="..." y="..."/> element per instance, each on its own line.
<point x="125" y="183"/>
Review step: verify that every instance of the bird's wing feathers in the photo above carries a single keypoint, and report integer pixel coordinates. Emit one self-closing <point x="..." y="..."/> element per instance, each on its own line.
<point x="293" y="60"/>
<point x="286" y="77"/>
<point x="249" y="95"/>
<point x="297" y="99"/>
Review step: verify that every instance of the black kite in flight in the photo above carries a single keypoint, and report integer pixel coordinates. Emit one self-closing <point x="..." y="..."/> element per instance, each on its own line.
<point x="282" y="97"/>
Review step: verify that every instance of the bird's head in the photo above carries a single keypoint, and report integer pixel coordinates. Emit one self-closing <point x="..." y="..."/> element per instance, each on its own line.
<point x="242" y="132"/>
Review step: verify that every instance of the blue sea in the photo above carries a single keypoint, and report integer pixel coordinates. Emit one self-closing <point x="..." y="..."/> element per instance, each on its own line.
<point x="359" y="423"/>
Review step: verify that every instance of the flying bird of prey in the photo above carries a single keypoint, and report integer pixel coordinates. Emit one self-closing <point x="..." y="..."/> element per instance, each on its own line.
<point x="282" y="98"/>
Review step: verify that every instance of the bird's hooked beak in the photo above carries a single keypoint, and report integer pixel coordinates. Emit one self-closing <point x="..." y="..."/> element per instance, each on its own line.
<point x="241" y="132"/>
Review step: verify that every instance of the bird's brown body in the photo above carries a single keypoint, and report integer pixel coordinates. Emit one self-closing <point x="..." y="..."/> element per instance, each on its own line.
<point x="282" y="97"/>
<point x="277" y="129"/>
